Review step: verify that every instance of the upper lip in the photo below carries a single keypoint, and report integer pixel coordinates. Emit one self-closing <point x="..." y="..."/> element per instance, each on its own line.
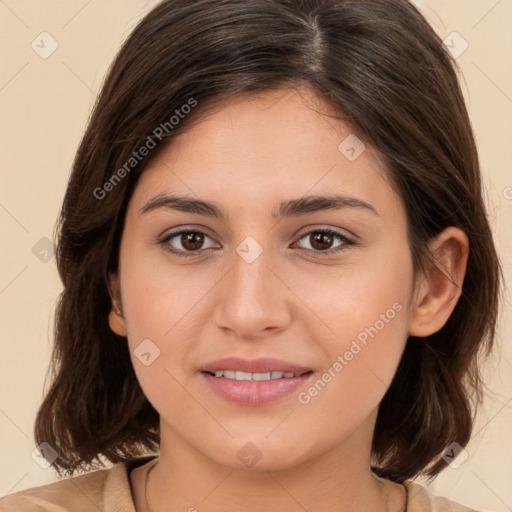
<point x="260" y="365"/>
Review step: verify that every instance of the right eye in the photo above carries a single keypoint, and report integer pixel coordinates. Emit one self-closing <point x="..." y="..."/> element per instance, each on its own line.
<point x="189" y="242"/>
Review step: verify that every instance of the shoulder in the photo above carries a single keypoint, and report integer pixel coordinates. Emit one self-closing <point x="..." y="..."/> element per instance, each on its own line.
<point x="97" y="490"/>
<point x="420" y="499"/>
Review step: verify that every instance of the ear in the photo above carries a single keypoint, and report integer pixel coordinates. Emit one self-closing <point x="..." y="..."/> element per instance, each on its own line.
<point x="115" y="317"/>
<point x="441" y="286"/>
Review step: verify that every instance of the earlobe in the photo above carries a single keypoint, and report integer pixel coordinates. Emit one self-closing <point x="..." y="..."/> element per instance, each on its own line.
<point x="115" y="318"/>
<point x="117" y="323"/>
<point x="440" y="289"/>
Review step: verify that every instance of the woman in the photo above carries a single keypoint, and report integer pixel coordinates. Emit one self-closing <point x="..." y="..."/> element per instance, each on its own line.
<point x="277" y="267"/>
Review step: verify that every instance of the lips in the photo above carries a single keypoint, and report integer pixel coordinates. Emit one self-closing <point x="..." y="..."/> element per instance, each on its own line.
<point x="256" y="382"/>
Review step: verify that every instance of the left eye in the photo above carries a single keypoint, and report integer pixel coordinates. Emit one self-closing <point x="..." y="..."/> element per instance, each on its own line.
<point x="320" y="238"/>
<point x="192" y="242"/>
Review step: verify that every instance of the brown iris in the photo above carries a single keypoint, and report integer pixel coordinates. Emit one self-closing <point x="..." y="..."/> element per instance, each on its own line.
<point x="321" y="241"/>
<point x="192" y="240"/>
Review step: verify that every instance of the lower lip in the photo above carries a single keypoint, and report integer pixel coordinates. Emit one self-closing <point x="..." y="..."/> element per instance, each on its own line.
<point x="248" y="392"/>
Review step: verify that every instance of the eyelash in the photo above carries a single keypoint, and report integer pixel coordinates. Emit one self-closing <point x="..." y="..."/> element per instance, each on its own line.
<point x="347" y="242"/>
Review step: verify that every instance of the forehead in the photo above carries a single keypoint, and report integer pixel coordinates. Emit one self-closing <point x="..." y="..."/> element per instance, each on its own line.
<point x="260" y="148"/>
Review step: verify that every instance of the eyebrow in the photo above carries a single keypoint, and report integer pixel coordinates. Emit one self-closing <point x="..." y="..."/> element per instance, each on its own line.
<point x="289" y="208"/>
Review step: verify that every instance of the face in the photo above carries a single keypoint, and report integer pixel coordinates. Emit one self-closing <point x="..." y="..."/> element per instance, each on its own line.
<point x="319" y="293"/>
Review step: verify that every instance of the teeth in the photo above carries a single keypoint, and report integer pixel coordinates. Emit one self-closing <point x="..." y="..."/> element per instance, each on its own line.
<point x="237" y="375"/>
<point x="261" y="376"/>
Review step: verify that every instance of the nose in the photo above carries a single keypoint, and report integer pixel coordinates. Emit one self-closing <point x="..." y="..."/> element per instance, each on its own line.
<point x="253" y="298"/>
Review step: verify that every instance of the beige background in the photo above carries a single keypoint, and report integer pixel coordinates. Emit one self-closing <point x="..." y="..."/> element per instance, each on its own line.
<point x="45" y="104"/>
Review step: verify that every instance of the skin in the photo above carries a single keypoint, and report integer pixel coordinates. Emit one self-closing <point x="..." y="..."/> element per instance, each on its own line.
<point x="291" y="303"/>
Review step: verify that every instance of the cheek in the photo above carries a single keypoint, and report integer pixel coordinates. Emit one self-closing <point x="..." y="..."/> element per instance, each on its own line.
<point x="368" y="296"/>
<point x="362" y="358"/>
<point x="158" y="312"/>
<point x="156" y="294"/>
<point x="361" y="312"/>
<point x="161" y="304"/>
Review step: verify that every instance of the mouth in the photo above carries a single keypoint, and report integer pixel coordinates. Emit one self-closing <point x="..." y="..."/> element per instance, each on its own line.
<point x="256" y="376"/>
<point x="256" y="382"/>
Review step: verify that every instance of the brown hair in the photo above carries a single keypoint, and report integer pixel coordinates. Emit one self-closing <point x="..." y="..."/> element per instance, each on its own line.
<point x="381" y="66"/>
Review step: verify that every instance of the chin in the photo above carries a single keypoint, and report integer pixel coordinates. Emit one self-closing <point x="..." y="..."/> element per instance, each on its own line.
<point x="259" y="454"/>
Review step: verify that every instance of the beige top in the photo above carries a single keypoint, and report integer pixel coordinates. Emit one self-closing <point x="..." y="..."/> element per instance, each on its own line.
<point x="108" y="490"/>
